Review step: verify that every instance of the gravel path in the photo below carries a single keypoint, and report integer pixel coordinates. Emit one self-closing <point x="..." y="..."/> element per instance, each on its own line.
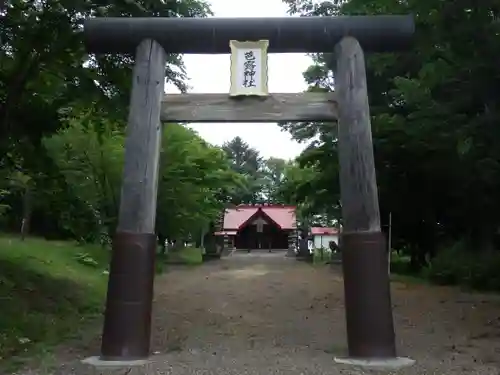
<point x="267" y="314"/>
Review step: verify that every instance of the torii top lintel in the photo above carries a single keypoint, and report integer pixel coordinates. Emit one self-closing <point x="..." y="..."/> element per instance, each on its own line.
<point x="385" y="33"/>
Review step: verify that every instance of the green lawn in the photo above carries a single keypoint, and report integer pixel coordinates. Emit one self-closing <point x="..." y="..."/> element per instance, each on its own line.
<point x="51" y="290"/>
<point x="48" y="291"/>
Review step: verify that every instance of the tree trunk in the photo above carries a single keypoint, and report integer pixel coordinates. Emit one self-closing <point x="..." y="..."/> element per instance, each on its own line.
<point x="25" y="223"/>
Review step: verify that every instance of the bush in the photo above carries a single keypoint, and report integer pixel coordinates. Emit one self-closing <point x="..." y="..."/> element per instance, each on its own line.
<point x="457" y="266"/>
<point x="400" y="264"/>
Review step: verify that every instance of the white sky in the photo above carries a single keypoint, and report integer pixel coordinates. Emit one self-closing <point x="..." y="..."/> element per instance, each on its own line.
<point x="285" y="76"/>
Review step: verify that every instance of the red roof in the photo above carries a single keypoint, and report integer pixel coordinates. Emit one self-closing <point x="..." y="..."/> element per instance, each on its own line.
<point x="282" y="215"/>
<point x="320" y="230"/>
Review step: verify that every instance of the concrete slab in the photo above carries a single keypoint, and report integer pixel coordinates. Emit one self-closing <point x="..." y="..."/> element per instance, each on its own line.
<point x="98" y="362"/>
<point x="377" y="363"/>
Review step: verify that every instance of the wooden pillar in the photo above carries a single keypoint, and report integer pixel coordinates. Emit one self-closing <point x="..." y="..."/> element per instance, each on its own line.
<point x="370" y="329"/>
<point x="127" y="323"/>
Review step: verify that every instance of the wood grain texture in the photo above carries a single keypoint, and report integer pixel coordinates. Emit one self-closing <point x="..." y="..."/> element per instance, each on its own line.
<point x="143" y="142"/>
<point x="358" y="186"/>
<point x="274" y="108"/>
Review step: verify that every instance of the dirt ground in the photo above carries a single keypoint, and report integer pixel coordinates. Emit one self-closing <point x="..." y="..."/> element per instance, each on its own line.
<point x="267" y="314"/>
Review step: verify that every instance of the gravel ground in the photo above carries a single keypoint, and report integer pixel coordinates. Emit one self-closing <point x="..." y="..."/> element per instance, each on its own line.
<point x="267" y="314"/>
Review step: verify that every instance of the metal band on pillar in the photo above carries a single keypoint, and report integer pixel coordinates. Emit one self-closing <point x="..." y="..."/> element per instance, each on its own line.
<point x="127" y="318"/>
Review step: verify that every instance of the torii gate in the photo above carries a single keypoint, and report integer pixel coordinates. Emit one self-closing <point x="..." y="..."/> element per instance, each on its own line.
<point x="370" y="328"/>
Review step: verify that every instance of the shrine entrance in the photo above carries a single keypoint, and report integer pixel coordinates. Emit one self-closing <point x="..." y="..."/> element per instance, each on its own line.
<point x="370" y="330"/>
<point x="261" y="232"/>
<point x="271" y="238"/>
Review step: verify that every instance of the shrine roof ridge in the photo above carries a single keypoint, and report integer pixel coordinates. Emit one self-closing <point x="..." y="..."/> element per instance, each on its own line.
<point x="263" y="205"/>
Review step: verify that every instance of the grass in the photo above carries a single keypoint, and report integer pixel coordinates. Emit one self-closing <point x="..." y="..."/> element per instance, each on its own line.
<point x="408" y="279"/>
<point x="51" y="290"/>
<point x="321" y="256"/>
<point x="48" y="292"/>
<point x="325" y="256"/>
<point x="191" y="256"/>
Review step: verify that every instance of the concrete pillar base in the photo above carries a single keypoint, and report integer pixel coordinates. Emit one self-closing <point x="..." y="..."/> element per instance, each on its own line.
<point x="131" y="367"/>
<point x="377" y="363"/>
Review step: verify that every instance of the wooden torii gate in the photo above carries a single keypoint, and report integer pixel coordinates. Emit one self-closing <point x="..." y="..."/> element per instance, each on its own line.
<point x="370" y="329"/>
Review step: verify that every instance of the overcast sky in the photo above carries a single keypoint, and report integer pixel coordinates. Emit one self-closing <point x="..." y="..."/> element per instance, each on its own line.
<point x="285" y="75"/>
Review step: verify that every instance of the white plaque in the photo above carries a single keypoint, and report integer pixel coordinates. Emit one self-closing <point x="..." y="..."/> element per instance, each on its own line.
<point x="259" y="223"/>
<point x="249" y="68"/>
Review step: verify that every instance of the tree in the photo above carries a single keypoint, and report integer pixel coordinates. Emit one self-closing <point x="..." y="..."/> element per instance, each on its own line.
<point x="46" y="76"/>
<point x="195" y="186"/>
<point x="195" y="180"/>
<point x="434" y="113"/>
<point x="273" y="170"/>
<point x="90" y="165"/>
<point x="44" y="66"/>
<point x="246" y="161"/>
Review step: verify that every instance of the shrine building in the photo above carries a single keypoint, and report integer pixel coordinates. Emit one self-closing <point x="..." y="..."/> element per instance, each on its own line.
<point x="259" y="226"/>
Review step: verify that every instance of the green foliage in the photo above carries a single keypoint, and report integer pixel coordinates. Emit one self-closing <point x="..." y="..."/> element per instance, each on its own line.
<point x="274" y="173"/>
<point x="62" y="114"/>
<point x="435" y="111"/>
<point x="89" y="156"/>
<point x="400" y="264"/>
<point x="44" y="66"/>
<point x="459" y="266"/>
<point x="455" y="265"/>
<point x="196" y="181"/>
<point x="3" y="207"/>
<point x="247" y="162"/>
